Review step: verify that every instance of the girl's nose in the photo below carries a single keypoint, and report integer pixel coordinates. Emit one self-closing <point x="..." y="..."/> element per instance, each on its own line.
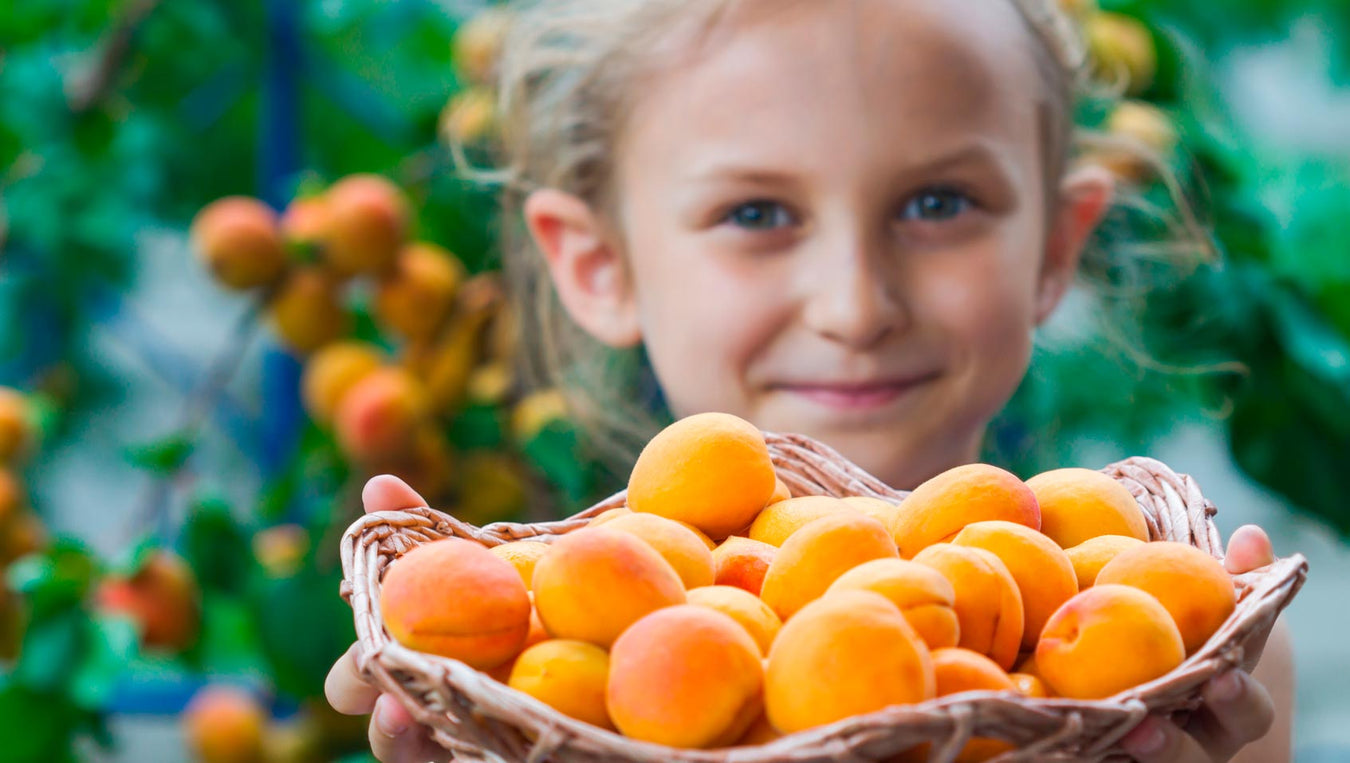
<point x="851" y="298"/>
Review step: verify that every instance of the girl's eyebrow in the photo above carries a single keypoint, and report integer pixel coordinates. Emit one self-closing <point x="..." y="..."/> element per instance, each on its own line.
<point x="718" y="171"/>
<point x="973" y="153"/>
<point x="977" y="153"/>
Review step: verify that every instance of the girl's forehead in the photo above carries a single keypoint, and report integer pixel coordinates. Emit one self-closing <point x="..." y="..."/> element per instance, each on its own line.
<point x="916" y="69"/>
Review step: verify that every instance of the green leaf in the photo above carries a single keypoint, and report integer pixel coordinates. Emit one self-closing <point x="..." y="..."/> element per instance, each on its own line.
<point x="163" y="456"/>
<point x="36" y="727"/>
<point x="111" y="645"/>
<point x="229" y="643"/>
<point x="56" y="580"/>
<point x="556" y="452"/>
<point x="52" y="648"/>
<point x="1311" y="343"/>
<point x="304" y="626"/>
<point x="216" y="546"/>
<point x="478" y="427"/>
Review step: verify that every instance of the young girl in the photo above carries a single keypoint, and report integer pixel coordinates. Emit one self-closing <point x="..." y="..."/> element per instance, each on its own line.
<point x="844" y="218"/>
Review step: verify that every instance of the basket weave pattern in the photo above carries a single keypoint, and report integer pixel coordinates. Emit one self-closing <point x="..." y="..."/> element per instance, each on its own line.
<point x="478" y="718"/>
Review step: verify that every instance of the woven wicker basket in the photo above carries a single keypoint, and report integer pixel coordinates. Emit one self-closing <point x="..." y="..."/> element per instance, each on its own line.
<point x="478" y="718"/>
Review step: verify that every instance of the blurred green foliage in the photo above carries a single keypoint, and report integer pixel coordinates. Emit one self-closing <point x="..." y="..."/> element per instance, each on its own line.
<point x="1259" y="342"/>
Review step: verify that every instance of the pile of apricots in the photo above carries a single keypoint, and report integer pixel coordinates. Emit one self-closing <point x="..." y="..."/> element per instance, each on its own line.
<point x="715" y="609"/>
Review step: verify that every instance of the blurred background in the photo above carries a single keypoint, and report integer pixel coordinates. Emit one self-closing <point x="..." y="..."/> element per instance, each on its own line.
<point x="192" y="395"/>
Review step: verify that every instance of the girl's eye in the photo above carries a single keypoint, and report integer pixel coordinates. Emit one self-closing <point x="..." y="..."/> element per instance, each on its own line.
<point x="760" y="215"/>
<point x="936" y="205"/>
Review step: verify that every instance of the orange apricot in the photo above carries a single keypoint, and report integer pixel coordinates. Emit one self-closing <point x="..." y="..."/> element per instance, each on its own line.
<point x="885" y="512"/>
<point x="305" y="221"/>
<point x="708" y="542"/>
<point x="17" y="432"/>
<point x="1078" y="504"/>
<point x="332" y="372"/>
<point x="780" y="491"/>
<point x="1029" y="685"/>
<point x="307" y="312"/>
<point x="743" y="563"/>
<point x="922" y="594"/>
<point x="223" y="724"/>
<point x="1044" y="575"/>
<point x="1105" y="640"/>
<point x="816" y="555"/>
<point x="239" y="240"/>
<point x="596" y="582"/>
<point x="22" y="535"/>
<point x="454" y="598"/>
<point x="378" y="419"/>
<point x="12" y="498"/>
<point x="987" y="603"/>
<point x="743" y="607"/>
<point x="281" y="549"/>
<point x="1090" y="556"/>
<point x="680" y="546"/>
<point x="958" y="670"/>
<point x="568" y="676"/>
<point x="778" y="521"/>
<point x="414" y="299"/>
<point x="938" y="509"/>
<point x="162" y="597"/>
<point x="685" y="676"/>
<point x="871" y="655"/>
<point x="760" y="732"/>
<point x="522" y="555"/>
<point x="609" y="515"/>
<point x="1190" y="584"/>
<point x="711" y="470"/>
<point x="369" y="220"/>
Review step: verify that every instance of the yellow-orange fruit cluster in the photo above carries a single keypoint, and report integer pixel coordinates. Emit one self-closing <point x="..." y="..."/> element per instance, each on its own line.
<point x="642" y="623"/>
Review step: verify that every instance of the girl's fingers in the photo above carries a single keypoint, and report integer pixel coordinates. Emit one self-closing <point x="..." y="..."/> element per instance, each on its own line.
<point x="1237" y="712"/>
<point x="346" y="691"/>
<point x="389" y="493"/>
<point x="1248" y="549"/>
<point x="1160" y="741"/>
<point x="396" y="738"/>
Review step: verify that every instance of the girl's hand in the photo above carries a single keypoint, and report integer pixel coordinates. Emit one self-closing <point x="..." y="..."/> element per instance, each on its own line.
<point x="1238" y="710"/>
<point x="394" y="736"/>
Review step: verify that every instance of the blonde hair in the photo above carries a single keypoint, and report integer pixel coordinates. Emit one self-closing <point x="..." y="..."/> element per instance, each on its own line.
<point x="566" y="79"/>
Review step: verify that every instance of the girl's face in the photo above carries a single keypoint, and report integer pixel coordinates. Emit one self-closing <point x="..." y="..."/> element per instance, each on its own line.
<point x="833" y="220"/>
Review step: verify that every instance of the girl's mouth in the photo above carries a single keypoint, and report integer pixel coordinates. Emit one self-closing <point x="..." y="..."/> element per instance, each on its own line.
<point x="855" y="396"/>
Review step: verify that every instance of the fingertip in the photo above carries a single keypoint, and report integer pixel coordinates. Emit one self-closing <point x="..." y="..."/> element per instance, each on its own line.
<point x="385" y="492"/>
<point x="1147" y="739"/>
<point x="1226" y="689"/>
<point x="1249" y="548"/>
<point x="345" y="689"/>
<point x="391" y="718"/>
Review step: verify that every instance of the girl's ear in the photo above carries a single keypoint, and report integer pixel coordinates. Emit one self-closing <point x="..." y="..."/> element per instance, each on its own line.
<point x="587" y="268"/>
<point x="1084" y="199"/>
